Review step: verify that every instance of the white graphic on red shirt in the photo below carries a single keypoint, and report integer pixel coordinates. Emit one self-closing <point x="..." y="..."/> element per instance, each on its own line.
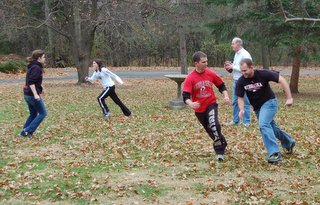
<point x="204" y="91"/>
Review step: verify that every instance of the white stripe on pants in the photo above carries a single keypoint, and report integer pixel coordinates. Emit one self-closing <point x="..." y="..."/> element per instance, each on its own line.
<point x="100" y="99"/>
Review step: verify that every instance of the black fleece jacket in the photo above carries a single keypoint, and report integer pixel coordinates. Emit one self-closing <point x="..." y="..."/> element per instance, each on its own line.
<point x="34" y="77"/>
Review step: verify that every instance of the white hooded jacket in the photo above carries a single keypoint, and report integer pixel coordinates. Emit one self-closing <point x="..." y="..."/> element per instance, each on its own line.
<point x="105" y="77"/>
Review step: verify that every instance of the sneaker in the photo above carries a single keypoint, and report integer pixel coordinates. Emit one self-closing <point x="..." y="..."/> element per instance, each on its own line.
<point x="129" y="115"/>
<point x="290" y="149"/>
<point x="275" y="158"/>
<point x="107" y="115"/>
<point x="220" y="157"/>
<point x="25" y="134"/>
<point x="232" y="123"/>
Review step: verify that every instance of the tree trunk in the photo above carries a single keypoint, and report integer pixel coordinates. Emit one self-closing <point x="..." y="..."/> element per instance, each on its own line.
<point x="82" y="37"/>
<point x="51" y="49"/>
<point x="265" y="57"/>
<point x="183" y="44"/>
<point x="294" y="80"/>
<point x="183" y="52"/>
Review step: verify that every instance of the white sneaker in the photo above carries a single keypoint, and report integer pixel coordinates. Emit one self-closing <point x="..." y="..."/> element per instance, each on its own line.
<point x="107" y="115"/>
<point x="232" y="123"/>
<point x="220" y="157"/>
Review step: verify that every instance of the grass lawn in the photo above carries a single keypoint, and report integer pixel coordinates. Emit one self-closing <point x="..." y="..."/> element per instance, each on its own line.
<point x="158" y="156"/>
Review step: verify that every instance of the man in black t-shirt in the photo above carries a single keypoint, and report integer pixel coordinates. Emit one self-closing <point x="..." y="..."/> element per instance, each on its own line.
<point x="255" y="83"/>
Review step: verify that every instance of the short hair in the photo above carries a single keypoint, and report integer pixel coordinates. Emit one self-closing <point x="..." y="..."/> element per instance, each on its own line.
<point x="246" y="61"/>
<point x="198" y="55"/>
<point x="99" y="62"/>
<point x="238" y="41"/>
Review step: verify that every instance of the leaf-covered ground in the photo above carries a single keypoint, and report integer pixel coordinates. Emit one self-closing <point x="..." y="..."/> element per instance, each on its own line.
<point x="157" y="156"/>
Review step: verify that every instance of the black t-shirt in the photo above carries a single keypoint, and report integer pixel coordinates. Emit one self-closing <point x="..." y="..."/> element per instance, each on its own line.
<point x="257" y="88"/>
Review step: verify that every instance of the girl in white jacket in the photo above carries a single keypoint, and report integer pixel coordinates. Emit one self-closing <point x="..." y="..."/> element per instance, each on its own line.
<point x="105" y="77"/>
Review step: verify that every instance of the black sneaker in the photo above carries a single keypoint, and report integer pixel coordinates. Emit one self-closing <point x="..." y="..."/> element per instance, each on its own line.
<point x="290" y="149"/>
<point x="275" y="158"/>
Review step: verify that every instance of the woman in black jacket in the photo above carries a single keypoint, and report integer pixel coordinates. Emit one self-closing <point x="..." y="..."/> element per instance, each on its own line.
<point x="33" y="92"/>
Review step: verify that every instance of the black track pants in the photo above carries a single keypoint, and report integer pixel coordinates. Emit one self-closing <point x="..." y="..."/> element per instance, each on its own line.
<point x="110" y="91"/>
<point x="210" y="122"/>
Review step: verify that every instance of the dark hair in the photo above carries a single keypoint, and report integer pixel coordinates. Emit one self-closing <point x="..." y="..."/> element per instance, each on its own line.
<point x="35" y="55"/>
<point x="247" y="61"/>
<point x="99" y="62"/>
<point x="198" y="55"/>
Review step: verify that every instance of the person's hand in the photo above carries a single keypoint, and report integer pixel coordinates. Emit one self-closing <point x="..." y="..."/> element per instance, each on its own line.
<point x="227" y="62"/>
<point x="194" y="105"/>
<point x="289" y="102"/>
<point x="241" y="113"/>
<point x="226" y="100"/>
<point x="37" y="97"/>
<point x="228" y="66"/>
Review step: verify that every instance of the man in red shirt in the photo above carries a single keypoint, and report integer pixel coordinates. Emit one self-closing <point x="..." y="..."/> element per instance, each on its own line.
<point x="198" y="94"/>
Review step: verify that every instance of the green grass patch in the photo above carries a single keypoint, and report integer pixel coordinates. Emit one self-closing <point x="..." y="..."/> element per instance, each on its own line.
<point x="147" y="191"/>
<point x="13" y="66"/>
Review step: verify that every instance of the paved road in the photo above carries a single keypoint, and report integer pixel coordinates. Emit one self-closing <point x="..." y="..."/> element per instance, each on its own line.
<point x="148" y="75"/>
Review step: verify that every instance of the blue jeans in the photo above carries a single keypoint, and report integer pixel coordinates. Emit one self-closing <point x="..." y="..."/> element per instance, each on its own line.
<point x="37" y="111"/>
<point x="269" y="129"/>
<point x="235" y="108"/>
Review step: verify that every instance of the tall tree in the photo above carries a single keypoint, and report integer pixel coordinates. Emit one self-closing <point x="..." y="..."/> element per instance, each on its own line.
<point x="50" y="47"/>
<point x="263" y="23"/>
<point x="76" y="20"/>
<point x="310" y="9"/>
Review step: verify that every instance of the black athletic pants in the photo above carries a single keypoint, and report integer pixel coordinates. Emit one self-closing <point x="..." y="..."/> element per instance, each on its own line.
<point x="210" y="122"/>
<point x="110" y="91"/>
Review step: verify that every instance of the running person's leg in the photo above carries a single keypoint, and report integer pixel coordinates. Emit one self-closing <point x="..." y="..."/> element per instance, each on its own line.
<point x="101" y="99"/>
<point x="265" y="117"/>
<point x="235" y="107"/>
<point x="220" y="142"/>
<point x="210" y="122"/>
<point x="33" y="112"/>
<point x="38" y="109"/>
<point x="116" y="100"/>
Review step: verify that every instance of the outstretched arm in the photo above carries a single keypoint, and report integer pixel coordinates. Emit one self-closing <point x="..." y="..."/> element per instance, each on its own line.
<point x="241" y="106"/>
<point x="92" y="78"/>
<point x="286" y="88"/>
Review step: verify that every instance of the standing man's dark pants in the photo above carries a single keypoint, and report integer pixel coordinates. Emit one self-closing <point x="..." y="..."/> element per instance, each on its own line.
<point x="110" y="91"/>
<point x="210" y="122"/>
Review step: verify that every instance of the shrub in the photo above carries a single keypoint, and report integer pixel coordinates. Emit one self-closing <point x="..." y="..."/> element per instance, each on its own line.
<point x="13" y="66"/>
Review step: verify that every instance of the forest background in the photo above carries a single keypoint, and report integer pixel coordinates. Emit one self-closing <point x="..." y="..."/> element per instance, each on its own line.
<point x="162" y="32"/>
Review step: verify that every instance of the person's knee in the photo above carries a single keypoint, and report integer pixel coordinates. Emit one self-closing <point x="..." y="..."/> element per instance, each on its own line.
<point x="100" y="99"/>
<point x="33" y="114"/>
<point x="43" y="114"/>
<point x="264" y="125"/>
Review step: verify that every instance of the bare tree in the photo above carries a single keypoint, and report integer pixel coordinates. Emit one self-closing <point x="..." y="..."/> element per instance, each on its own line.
<point x="291" y="19"/>
<point x="297" y="50"/>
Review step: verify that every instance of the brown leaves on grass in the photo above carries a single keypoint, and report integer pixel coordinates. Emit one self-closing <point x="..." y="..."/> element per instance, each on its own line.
<point x="78" y="155"/>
